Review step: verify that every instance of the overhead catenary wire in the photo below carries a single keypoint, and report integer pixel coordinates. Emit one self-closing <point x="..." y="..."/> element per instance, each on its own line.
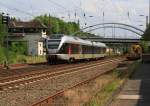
<point x="58" y="5"/>
<point x="83" y="14"/>
<point x="15" y="9"/>
<point x="19" y="11"/>
<point x="116" y="6"/>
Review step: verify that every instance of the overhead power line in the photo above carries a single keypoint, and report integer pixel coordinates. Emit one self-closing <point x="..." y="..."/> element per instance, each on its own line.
<point x="116" y="6"/>
<point x="18" y="10"/>
<point x="15" y="9"/>
<point x="59" y="5"/>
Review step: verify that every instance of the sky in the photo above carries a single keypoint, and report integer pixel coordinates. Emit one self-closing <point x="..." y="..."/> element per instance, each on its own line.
<point x="89" y="12"/>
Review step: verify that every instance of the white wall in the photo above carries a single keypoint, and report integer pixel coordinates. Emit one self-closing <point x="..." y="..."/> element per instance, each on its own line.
<point x="35" y="46"/>
<point x="40" y="48"/>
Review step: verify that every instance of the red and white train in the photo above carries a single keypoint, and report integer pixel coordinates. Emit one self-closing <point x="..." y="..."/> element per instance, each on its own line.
<point x="70" y="48"/>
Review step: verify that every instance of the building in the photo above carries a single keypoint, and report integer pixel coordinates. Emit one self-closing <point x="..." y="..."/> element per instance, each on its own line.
<point x="31" y="32"/>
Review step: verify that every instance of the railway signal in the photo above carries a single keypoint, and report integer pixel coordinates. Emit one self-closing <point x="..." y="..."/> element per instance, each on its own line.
<point x="5" y="20"/>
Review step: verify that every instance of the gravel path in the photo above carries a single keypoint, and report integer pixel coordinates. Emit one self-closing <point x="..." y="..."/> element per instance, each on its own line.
<point x="136" y="91"/>
<point x="31" y="93"/>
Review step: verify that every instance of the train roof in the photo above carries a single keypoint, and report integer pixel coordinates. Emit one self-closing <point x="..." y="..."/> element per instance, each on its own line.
<point x="76" y="40"/>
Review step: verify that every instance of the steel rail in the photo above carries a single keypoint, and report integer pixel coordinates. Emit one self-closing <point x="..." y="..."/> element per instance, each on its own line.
<point x="49" y="99"/>
<point x="36" y="78"/>
<point x="44" y="71"/>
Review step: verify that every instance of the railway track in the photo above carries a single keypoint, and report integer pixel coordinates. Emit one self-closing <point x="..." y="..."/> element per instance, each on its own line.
<point x="16" y="81"/>
<point x="40" y="68"/>
<point x="50" y="100"/>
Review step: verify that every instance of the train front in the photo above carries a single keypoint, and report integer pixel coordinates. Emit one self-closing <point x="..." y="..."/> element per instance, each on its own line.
<point x="52" y="46"/>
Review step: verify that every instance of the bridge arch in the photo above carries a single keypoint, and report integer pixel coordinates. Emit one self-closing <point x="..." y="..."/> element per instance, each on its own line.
<point x="131" y="28"/>
<point x="115" y="27"/>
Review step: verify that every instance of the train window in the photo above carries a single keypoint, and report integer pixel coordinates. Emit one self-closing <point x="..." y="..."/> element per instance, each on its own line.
<point x="53" y="40"/>
<point x="104" y="50"/>
<point x="92" y="50"/>
<point x="83" y="49"/>
<point x="64" y="49"/>
<point x="74" y="48"/>
<point x="99" y="50"/>
<point x="53" y="44"/>
<point x="87" y="49"/>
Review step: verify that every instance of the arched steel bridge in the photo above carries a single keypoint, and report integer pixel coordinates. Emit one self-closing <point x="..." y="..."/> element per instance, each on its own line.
<point x="130" y="28"/>
<point x="113" y="40"/>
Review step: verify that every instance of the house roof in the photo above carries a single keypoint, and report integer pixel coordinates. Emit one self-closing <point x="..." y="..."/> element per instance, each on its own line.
<point x="29" y="24"/>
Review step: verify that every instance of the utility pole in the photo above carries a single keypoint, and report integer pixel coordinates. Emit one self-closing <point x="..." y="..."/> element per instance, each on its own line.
<point x="103" y="23"/>
<point x="49" y="24"/>
<point x="149" y="11"/>
<point x="114" y="32"/>
<point x="146" y="21"/>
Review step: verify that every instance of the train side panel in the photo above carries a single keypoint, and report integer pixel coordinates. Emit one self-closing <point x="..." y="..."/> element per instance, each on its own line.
<point x="79" y="56"/>
<point x="69" y="48"/>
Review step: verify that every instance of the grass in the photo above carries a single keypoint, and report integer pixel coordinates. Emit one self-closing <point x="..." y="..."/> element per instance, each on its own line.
<point x="35" y="59"/>
<point x="102" y="97"/>
<point x="18" y="57"/>
<point x="14" y="58"/>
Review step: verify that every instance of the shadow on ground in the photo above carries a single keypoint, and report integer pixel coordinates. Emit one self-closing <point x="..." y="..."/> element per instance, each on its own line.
<point x="143" y="76"/>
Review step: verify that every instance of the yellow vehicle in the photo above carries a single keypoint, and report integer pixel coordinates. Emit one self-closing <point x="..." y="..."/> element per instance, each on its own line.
<point x="135" y="52"/>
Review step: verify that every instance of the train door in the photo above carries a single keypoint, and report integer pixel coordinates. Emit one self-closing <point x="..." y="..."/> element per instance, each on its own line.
<point x="69" y="50"/>
<point x="80" y="51"/>
<point x="83" y="51"/>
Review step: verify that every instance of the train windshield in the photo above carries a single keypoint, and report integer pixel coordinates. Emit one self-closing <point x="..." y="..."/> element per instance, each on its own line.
<point x="53" y="44"/>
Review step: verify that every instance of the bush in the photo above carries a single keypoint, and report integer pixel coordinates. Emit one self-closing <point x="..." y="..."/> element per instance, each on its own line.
<point x="145" y="47"/>
<point x="13" y="57"/>
<point x="19" y="47"/>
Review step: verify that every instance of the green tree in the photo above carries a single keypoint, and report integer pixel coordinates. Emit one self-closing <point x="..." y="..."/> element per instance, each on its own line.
<point x="146" y="35"/>
<point x="56" y="25"/>
<point x="146" y="39"/>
